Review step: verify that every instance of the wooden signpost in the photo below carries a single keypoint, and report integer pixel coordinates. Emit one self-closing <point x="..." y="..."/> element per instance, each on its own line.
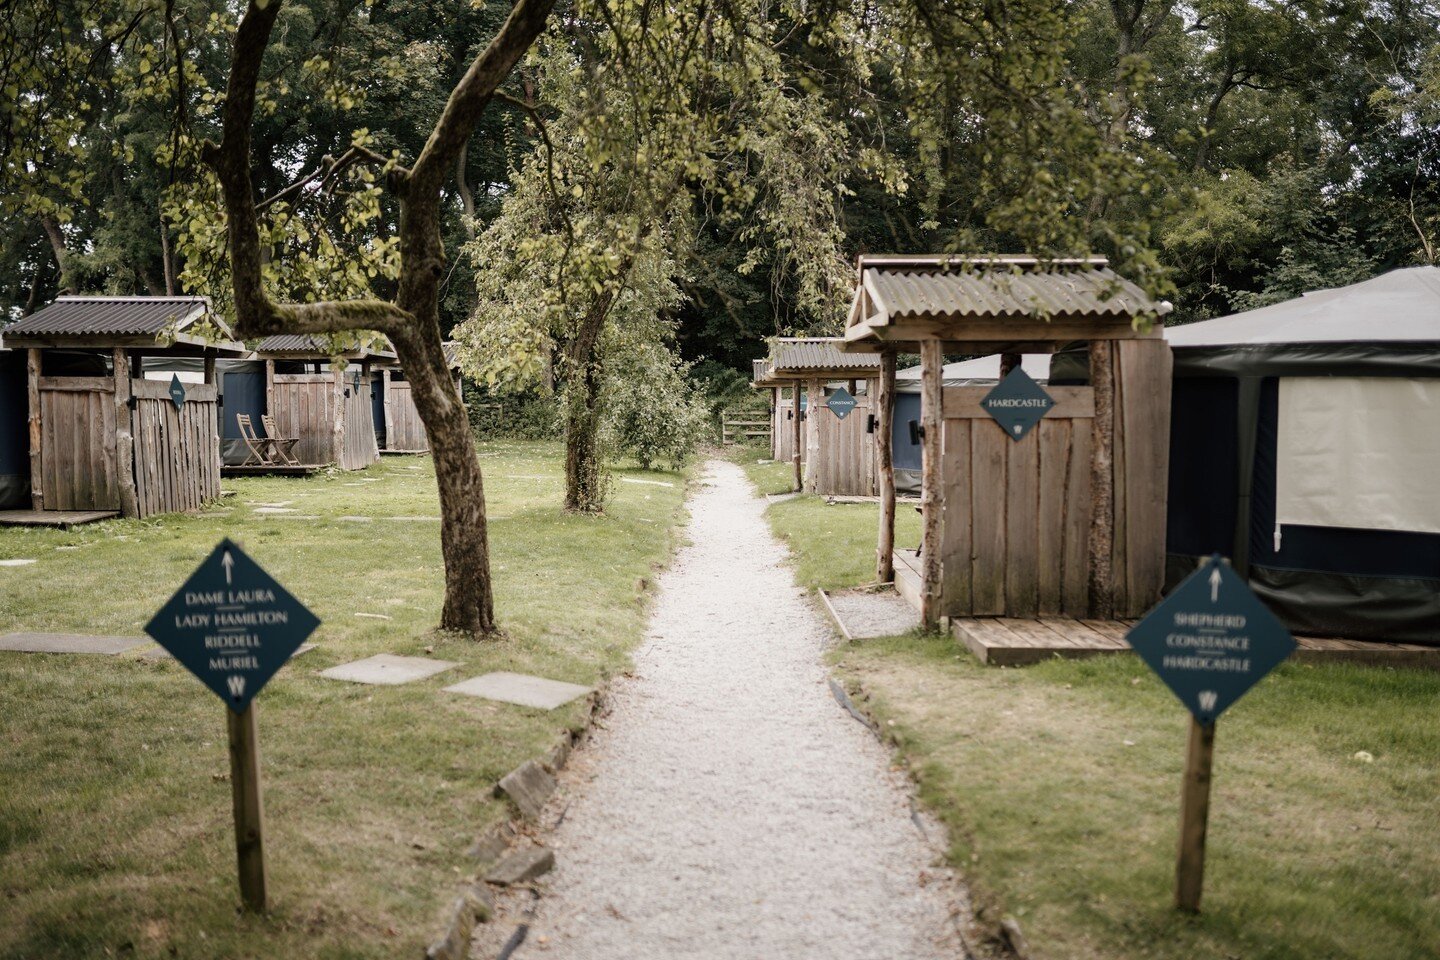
<point x="233" y="627"/>
<point x="1210" y="641"/>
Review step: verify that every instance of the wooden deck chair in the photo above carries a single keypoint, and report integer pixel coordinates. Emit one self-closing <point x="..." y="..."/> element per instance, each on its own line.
<point x="284" y="446"/>
<point x="254" y="443"/>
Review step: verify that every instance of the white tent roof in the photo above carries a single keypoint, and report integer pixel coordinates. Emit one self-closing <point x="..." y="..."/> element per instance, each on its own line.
<point x="1399" y="305"/>
<point x="978" y="370"/>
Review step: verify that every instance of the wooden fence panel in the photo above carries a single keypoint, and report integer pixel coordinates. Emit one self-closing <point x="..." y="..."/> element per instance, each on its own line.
<point x="305" y="408"/>
<point x="407" y="431"/>
<point x="177" y="452"/>
<point x="785" y="433"/>
<point x="77" y="443"/>
<point x="1015" y="513"/>
<point x="1142" y="442"/>
<point x="360" y="446"/>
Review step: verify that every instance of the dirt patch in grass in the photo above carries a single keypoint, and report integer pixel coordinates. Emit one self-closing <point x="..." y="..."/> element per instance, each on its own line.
<point x="115" y="829"/>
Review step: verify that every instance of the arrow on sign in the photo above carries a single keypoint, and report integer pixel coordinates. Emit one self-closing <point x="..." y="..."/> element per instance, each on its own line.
<point x="229" y="563"/>
<point x="1215" y="585"/>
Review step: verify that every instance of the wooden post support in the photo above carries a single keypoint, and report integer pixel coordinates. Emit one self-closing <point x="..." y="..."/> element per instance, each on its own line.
<point x="124" y="436"/>
<point x="931" y="498"/>
<point x="796" y="457"/>
<point x="249" y="806"/>
<point x="270" y="387"/>
<point x="1008" y="362"/>
<point x="1194" y="815"/>
<point x="32" y="385"/>
<point x="1101" y="538"/>
<point x="884" y="404"/>
<point x="812" y="435"/>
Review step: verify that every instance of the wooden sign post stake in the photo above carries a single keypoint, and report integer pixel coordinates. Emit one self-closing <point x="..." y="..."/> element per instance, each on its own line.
<point x="1194" y="815"/>
<point x="249" y="806"/>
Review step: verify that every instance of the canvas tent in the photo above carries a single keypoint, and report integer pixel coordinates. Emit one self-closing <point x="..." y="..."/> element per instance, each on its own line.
<point x="14" y="450"/>
<point x="1305" y="445"/>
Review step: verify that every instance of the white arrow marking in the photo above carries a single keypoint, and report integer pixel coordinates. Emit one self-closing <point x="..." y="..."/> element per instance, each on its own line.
<point x="1215" y="585"/>
<point x="228" y="563"/>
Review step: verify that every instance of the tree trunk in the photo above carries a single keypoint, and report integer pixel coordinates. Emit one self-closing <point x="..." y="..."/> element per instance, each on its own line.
<point x="464" y="531"/>
<point x="584" y="487"/>
<point x="62" y="256"/>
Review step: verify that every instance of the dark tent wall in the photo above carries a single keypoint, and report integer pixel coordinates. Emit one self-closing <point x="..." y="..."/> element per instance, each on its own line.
<point x="242" y="386"/>
<point x="1360" y="584"/>
<point x="377" y="406"/>
<point x="14" y="432"/>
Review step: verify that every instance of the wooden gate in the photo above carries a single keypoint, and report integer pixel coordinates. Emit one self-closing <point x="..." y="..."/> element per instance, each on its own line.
<point x="405" y="432"/>
<point x="77" y="443"/>
<point x="358" y="447"/>
<point x="304" y="406"/>
<point x="177" y="451"/>
<point x="847" y="452"/>
<point x="784" y="445"/>
<point x="1018" y="509"/>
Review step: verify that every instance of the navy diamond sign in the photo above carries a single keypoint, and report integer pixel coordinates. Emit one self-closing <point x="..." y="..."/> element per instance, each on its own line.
<point x="1017" y="403"/>
<point x="232" y="625"/>
<point x="177" y="392"/>
<point x="1211" y="640"/>
<point x="841" y="403"/>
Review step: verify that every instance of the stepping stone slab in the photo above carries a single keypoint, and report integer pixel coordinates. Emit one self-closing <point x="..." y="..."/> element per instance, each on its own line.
<point x="652" y="483"/>
<point x="522" y="865"/>
<point x="16" y="563"/>
<point x="521" y="689"/>
<point x="387" y="669"/>
<point x="160" y="653"/>
<point x="373" y="616"/>
<point x="277" y="510"/>
<point x="68" y="643"/>
<point x="528" y="786"/>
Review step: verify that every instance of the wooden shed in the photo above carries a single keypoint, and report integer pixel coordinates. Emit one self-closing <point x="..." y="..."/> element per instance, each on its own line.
<point x="829" y="444"/>
<point x="398" y="427"/>
<point x="102" y="439"/>
<point x="322" y="396"/>
<point x="1069" y="520"/>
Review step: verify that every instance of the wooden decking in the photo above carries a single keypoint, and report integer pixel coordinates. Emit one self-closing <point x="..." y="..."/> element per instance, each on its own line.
<point x="64" y="519"/>
<point x="1013" y="642"/>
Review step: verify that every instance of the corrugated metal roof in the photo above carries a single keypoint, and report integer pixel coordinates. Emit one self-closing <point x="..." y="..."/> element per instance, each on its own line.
<point x="318" y="346"/>
<point x="1009" y="289"/>
<point x="818" y="353"/>
<point x="111" y="316"/>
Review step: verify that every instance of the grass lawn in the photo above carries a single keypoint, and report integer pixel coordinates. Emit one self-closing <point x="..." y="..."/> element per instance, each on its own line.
<point x="1060" y="785"/>
<point x="115" y="821"/>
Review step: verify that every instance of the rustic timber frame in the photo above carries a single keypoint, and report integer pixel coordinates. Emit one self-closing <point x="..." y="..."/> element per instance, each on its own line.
<point x="1068" y="521"/>
<point x="113" y="440"/>
<point x="327" y="410"/>
<point x="831" y="456"/>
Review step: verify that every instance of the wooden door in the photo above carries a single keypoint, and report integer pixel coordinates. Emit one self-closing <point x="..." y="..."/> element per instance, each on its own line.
<point x="77" y="443"/>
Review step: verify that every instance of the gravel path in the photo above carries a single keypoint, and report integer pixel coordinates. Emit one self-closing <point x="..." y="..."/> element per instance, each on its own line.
<point x="727" y="807"/>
